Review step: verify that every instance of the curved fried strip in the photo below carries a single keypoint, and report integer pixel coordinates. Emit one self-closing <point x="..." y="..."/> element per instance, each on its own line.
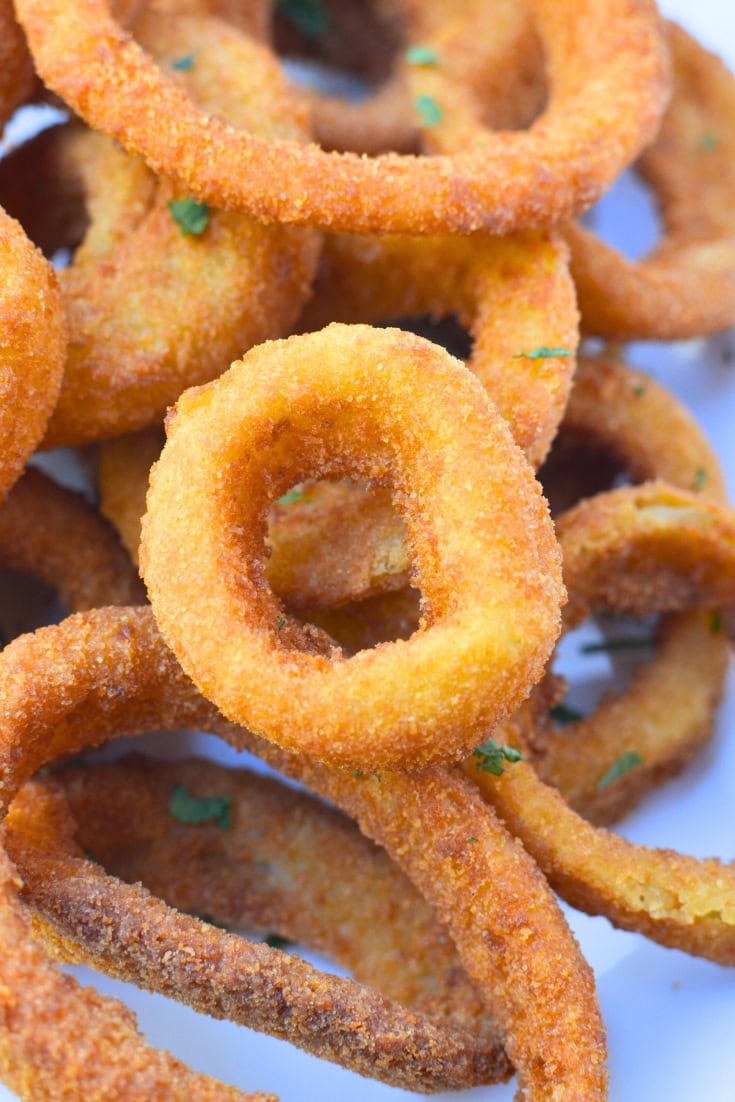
<point x="33" y="342"/>
<point x="513" y="294"/>
<point x="107" y="672"/>
<point x="17" y="75"/>
<point x="647" y="548"/>
<point x="365" y="403"/>
<point x="287" y="864"/>
<point x="483" y="65"/>
<point x="613" y="546"/>
<point x="650" y="435"/>
<point x="50" y="531"/>
<point x="613" y="81"/>
<point x="686" y="286"/>
<point x="139" y="336"/>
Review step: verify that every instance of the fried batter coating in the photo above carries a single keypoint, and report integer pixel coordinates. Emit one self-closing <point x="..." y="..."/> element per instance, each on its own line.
<point x="33" y="342"/>
<point x="107" y="672"/>
<point x="686" y="286"/>
<point x="371" y="404"/>
<point x="269" y="876"/>
<point x="150" y="309"/>
<point x="607" y="74"/>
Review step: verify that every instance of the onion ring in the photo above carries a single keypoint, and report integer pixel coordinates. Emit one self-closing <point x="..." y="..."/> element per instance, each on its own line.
<point x="32" y="348"/>
<point x="107" y="672"/>
<point x="615" y="81"/>
<point x="686" y="286"/>
<point x="236" y="285"/>
<point x="386" y="404"/>
<point x="343" y="1022"/>
<point x="17" y="75"/>
<point x="675" y="900"/>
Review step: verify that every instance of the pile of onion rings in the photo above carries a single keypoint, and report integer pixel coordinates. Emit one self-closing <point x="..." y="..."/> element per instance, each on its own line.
<point x="344" y="537"/>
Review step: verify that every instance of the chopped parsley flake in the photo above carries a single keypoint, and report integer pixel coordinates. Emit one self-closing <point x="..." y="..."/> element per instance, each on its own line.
<point x="631" y="642"/>
<point x="473" y="840"/>
<point x="542" y="353"/>
<point x="716" y="623"/>
<point x="184" y="64"/>
<point x="424" y="56"/>
<point x="490" y="757"/>
<point x="709" y="142"/>
<point x="562" y="713"/>
<point x="377" y="777"/>
<point x="429" y="111"/>
<point x="618" y="769"/>
<point x="191" y="809"/>
<point x="639" y="390"/>
<point x="699" y="478"/>
<point x="281" y="623"/>
<point x="275" y="941"/>
<point x="191" y="216"/>
<point x="308" y="16"/>
<point x="357" y="773"/>
<point x="293" y="495"/>
<point x="91" y="857"/>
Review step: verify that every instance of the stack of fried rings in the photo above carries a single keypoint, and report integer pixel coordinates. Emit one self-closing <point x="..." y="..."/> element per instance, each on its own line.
<point x="317" y="619"/>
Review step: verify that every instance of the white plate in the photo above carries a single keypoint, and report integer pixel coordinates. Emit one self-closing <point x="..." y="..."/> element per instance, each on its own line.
<point x="670" y="1018"/>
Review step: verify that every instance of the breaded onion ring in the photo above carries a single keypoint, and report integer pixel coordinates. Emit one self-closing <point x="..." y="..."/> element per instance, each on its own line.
<point x="457" y="1046"/>
<point x="152" y="310"/>
<point x="513" y="294"/>
<point x="649" y="435"/>
<point x="17" y="75"/>
<point x="51" y="532"/>
<point x="686" y="286"/>
<point x="33" y="341"/>
<point x="678" y="551"/>
<point x="108" y="672"/>
<point x="613" y="81"/>
<point x="368" y="404"/>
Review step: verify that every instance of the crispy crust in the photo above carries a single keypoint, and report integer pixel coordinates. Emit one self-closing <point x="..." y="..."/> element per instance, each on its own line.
<point x="151" y="311"/>
<point x="131" y="682"/>
<point x="84" y="915"/>
<point x="613" y="80"/>
<point x="33" y="342"/>
<point x="368" y="404"/>
<point x="686" y="286"/>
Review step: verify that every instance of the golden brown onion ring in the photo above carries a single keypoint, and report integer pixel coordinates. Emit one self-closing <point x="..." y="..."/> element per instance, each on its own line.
<point x="108" y="672"/>
<point x="686" y="286"/>
<point x="615" y="80"/>
<point x="207" y="297"/>
<point x="446" y="1043"/>
<point x="371" y="404"/>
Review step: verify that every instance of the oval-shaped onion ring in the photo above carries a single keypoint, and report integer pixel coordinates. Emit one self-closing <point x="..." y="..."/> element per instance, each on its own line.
<point x="615" y="80"/>
<point x="369" y="404"/>
<point x="107" y="672"/>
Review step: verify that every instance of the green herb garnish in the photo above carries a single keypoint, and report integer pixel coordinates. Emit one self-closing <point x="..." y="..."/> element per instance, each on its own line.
<point x="473" y="841"/>
<point x="281" y="623"/>
<point x="542" y="353"/>
<point x="699" y="478"/>
<point x="293" y="495"/>
<point x="631" y="642"/>
<point x="429" y="111"/>
<point x="424" y="56"/>
<point x="490" y="757"/>
<point x="308" y="16"/>
<point x="618" y="769"/>
<point x="191" y="216"/>
<point x="184" y="64"/>
<point x="716" y="623"/>
<point x="188" y="808"/>
<point x="91" y="857"/>
<point x="639" y="390"/>
<point x="709" y="142"/>
<point x="562" y="713"/>
<point x="275" y="941"/>
<point x="377" y="777"/>
<point x="357" y="773"/>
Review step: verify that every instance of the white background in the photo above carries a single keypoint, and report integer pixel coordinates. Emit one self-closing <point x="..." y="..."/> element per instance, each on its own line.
<point x="670" y="1018"/>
